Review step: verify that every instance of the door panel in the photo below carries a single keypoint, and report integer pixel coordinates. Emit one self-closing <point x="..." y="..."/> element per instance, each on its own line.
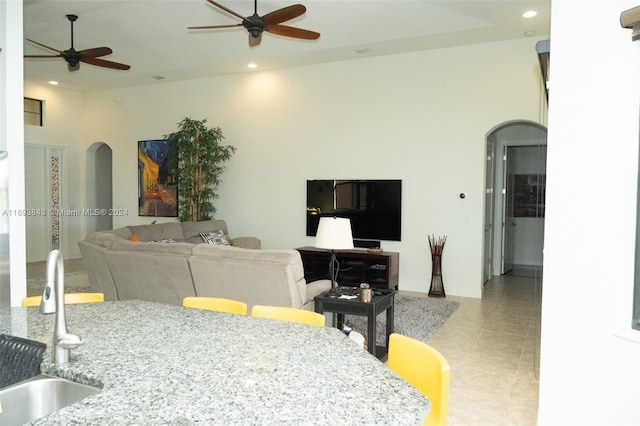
<point x="488" y="209"/>
<point x="508" y="223"/>
<point x="36" y="199"/>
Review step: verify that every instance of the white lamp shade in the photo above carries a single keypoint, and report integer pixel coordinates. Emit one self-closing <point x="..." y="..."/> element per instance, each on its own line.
<point x="334" y="233"/>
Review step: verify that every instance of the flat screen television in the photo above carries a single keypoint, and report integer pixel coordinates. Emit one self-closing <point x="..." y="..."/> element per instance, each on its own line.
<point x="374" y="206"/>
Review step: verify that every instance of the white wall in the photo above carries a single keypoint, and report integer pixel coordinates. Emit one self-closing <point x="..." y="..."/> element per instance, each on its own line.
<point x="11" y="138"/>
<point x="62" y="121"/>
<point x="590" y="359"/>
<point x="420" y="117"/>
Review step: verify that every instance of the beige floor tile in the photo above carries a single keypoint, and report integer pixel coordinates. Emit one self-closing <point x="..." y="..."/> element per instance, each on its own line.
<point x="487" y="380"/>
<point x="470" y="407"/>
<point x="38" y="270"/>
<point x="492" y="345"/>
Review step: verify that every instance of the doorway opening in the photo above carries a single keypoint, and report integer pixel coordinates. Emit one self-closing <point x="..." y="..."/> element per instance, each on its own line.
<point x="99" y="186"/>
<point x="514" y="200"/>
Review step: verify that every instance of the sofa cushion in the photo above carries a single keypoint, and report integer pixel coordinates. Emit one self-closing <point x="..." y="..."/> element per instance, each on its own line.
<point x="271" y="255"/>
<point x="152" y="247"/>
<point x="192" y="230"/>
<point x="161" y="273"/>
<point x="159" y="231"/>
<point x="123" y="232"/>
<point x="103" y="239"/>
<point x="291" y="257"/>
<point x="216" y="237"/>
<point x="246" y="242"/>
<point x="94" y="257"/>
<point x="268" y="277"/>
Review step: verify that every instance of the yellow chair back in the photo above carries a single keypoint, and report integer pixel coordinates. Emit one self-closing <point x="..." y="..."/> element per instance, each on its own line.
<point x="215" y="304"/>
<point x="69" y="298"/>
<point x="288" y="314"/>
<point x="425" y="369"/>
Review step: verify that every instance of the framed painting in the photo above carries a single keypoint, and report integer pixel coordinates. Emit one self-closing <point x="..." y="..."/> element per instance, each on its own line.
<point x="157" y="186"/>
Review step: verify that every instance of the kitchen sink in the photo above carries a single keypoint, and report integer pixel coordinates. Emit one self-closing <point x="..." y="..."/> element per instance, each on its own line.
<point x="39" y="396"/>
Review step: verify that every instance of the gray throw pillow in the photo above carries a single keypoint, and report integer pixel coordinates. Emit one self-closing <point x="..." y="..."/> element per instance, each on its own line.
<point x="215" y="237"/>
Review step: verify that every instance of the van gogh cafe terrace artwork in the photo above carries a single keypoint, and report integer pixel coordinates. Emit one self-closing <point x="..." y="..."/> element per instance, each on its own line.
<point x="157" y="187"/>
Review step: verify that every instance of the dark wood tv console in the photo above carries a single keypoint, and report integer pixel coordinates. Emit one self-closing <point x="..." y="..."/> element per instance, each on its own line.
<point x="379" y="270"/>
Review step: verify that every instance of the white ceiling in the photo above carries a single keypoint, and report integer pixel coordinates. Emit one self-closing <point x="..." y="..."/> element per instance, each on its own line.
<point x="151" y="35"/>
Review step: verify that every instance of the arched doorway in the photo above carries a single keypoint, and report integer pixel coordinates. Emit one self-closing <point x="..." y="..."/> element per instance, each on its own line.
<point x="99" y="186"/>
<point x="514" y="201"/>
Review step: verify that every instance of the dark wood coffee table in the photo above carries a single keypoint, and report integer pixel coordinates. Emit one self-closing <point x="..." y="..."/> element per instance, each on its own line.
<point x="382" y="301"/>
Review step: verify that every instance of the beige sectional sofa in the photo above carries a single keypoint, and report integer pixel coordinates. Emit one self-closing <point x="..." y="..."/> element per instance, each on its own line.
<point x="171" y="261"/>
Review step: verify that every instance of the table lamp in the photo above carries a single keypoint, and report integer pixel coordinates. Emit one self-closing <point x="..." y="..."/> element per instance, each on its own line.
<point x="334" y="233"/>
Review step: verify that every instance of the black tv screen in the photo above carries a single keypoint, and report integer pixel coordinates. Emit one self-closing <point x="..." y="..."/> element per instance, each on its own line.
<point x="374" y="206"/>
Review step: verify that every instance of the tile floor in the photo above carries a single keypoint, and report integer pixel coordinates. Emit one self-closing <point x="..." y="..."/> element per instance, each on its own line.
<point x="38" y="270"/>
<point x="492" y="345"/>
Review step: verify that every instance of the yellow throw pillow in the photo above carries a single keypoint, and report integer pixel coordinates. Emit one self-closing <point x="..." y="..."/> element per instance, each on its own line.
<point x="134" y="238"/>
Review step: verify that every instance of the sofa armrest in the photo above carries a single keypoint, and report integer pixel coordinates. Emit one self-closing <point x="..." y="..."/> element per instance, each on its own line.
<point x="314" y="288"/>
<point x="246" y="242"/>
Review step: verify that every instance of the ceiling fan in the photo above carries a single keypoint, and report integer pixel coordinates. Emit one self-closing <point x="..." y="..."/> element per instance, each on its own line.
<point x="74" y="57"/>
<point x="270" y="23"/>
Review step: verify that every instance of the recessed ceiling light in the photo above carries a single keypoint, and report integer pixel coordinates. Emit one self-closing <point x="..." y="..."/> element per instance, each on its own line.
<point x="53" y="82"/>
<point x="529" y="14"/>
<point x="252" y="65"/>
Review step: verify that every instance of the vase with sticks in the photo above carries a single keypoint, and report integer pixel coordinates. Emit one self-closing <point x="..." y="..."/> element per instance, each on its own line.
<point x="437" y="246"/>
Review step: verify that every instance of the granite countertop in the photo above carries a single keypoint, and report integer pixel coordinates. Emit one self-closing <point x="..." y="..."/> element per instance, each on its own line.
<point x="165" y="364"/>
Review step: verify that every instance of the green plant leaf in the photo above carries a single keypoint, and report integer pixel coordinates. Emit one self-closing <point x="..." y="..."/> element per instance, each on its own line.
<point x="197" y="154"/>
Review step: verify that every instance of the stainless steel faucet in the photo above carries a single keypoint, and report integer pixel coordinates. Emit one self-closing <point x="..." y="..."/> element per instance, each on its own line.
<point x="53" y="302"/>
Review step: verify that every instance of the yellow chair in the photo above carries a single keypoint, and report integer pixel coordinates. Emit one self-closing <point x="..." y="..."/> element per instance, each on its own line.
<point x="215" y="304"/>
<point x="288" y="314"/>
<point x="69" y="298"/>
<point x="425" y="369"/>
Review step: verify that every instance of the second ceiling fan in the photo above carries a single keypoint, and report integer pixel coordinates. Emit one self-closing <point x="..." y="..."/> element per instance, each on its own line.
<point x="270" y="23"/>
<point x="73" y="57"/>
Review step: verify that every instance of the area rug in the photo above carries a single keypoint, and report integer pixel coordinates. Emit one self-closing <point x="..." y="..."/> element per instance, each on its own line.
<point x="416" y="317"/>
<point x="74" y="282"/>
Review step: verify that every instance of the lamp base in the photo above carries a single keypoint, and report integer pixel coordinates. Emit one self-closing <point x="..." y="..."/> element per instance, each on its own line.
<point x="333" y="293"/>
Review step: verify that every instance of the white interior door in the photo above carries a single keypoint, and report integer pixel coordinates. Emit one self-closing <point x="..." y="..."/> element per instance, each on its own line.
<point x="36" y="199"/>
<point x="508" y="222"/>
<point x="488" y="210"/>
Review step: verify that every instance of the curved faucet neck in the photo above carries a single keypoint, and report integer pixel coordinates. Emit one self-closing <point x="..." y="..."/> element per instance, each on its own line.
<point x="53" y="302"/>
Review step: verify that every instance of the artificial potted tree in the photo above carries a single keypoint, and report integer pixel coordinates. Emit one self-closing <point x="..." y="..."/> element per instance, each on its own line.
<point x="198" y="157"/>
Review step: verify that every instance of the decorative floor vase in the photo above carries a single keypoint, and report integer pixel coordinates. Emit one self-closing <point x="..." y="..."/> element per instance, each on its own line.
<point x="437" y="285"/>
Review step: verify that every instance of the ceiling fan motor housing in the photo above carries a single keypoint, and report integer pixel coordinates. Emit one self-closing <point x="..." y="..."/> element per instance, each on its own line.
<point x="254" y="24"/>
<point x="71" y="56"/>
